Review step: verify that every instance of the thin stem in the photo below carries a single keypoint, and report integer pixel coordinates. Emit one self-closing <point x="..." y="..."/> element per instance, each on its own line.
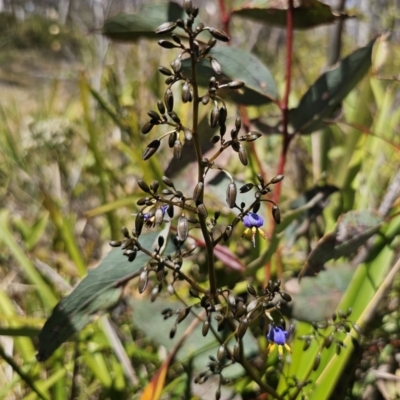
<point x="200" y="168"/>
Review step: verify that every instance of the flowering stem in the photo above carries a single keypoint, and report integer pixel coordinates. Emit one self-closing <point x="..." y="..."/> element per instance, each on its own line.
<point x="200" y="169"/>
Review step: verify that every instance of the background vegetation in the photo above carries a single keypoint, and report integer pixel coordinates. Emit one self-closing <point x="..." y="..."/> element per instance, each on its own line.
<point x="72" y="107"/>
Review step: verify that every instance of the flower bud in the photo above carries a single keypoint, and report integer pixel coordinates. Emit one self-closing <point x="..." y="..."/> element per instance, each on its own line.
<point x="183" y="228"/>
<point x="231" y="193"/>
<point x="151" y="149"/>
<point x="276" y="214"/>
<point x="143" y="281"/>
<point x="214" y="117"/>
<point x="178" y="149"/>
<point x="216" y="66"/>
<point x="219" y="35"/>
<point x="166" y="27"/>
<point x="169" y="100"/>
<point x="243" y="155"/>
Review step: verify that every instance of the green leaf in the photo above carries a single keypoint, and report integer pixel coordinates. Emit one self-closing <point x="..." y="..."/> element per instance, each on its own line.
<point x="326" y="94"/>
<point x="274" y="12"/>
<point x="353" y="229"/>
<point x="98" y="291"/>
<point x="241" y="66"/>
<point x="131" y="27"/>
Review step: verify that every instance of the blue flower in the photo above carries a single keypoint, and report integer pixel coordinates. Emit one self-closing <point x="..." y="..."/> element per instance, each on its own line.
<point x="277" y="336"/>
<point x="155" y="216"/>
<point x="253" y="222"/>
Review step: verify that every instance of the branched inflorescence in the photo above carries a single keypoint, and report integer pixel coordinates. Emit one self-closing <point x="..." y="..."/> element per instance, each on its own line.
<point x="223" y="310"/>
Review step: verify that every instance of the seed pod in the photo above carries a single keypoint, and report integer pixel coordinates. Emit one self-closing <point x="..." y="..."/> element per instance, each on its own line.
<point x="219" y="35"/>
<point x="317" y="362"/>
<point x="139" y="221"/>
<point x="214" y="117"/>
<point x="143" y="281"/>
<point x="171" y="139"/>
<point x="243" y="155"/>
<point x="246" y="188"/>
<point x="125" y="232"/>
<point x="231" y="193"/>
<point x="183" y="228"/>
<point x="161" y="107"/>
<point x="285" y="296"/>
<point x="166" y="27"/>
<point x="235" y="84"/>
<point x="205" y="99"/>
<point x="132" y="256"/>
<point x="236" y="351"/>
<point x="186" y="95"/>
<point x="175" y="117"/>
<point x="167" y="44"/>
<point x="115" y="243"/>
<point x="238" y="123"/>
<point x="205" y="328"/>
<point x="242" y="328"/>
<point x="147" y="127"/>
<point x="276" y="179"/>
<point x="216" y="66"/>
<point x="144" y="186"/>
<point x="251" y="290"/>
<point x="183" y="314"/>
<point x="169" y="100"/>
<point x="276" y="214"/>
<point x="165" y="71"/>
<point x="168" y="182"/>
<point x="176" y="65"/>
<point x="221" y="353"/>
<point x="153" y="114"/>
<point x="151" y="149"/>
<point x="178" y="149"/>
<point x="172" y="332"/>
<point x="198" y="192"/>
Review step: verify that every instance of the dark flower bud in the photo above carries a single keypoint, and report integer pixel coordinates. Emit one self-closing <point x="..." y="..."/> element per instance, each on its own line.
<point x="222" y="116"/>
<point x="216" y="66"/>
<point x="198" y="192"/>
<point x="246" y="188"/>
<point x="144" y="186"/>
<point x="285" y="296"/>
<point x="125" y="232"/>
<point x="251" y="290"/>
<point x="139" y="221"/>
<point x="199" y="27"/>
<point x="219" y="35"/>
<point x="169" y="100"/>
<point x="214" y="117"/>
<point x="307" y="344"/>
<point x="170" y="211"/>
<point x="277" y="179"/>
<point x="231" y="193"/>
<point x="147" y="127"/>
<point x="235" y="84"/>
<point x="215" y="139"/>
<point x="221" y="353"/>
<point x="252" y="136"/>
<point x="176" y="38"/>
<point x="236" y="351"/>
<point x="153" y="114"/>
<point x="242" y="329"/>
<point x="174" y="117"/>
<point x="151" y="149"/>
<point x="167" y="44"/>
<point x="178" y="149"/>
<point x="154" y="186"/>
<point x="154" y="294"/>
<point x="166" y="27"/>
<point x="168" y="182"/>
<point x="218" y="394"/>
<point x="183" y="228"/>
<point x="234" y="133"/>
<point x="143" y="281"/>
<point x="115" y="243"/>
<point x="243" y="155"/>
<point x="183" y="314"/>
<point x="176" y="65"/>
<point x="205" y="99"/>
<point x="205" y="328"/>
<point x="256" y="206"/>
<point x="328" y="341"/>
<point x="172" y="332"/>
<point x="169" y="80"/>
<point x="161" y="107"/>
<point x="165" y="71"/>
<point x="195" y="12"/>
<point x="276" y="214"/>
<point x="317" y="361"/>
<point x="171" y="139"/>
<point x="188" y="7"/>
<point x="132" y="256"/>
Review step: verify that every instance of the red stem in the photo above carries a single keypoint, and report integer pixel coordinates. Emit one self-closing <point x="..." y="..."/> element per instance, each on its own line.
<point x="285" y="118"/>
<point x="225" y="17"/>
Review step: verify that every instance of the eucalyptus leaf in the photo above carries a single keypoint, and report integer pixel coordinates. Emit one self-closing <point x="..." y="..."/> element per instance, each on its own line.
<point x="96" y="293"/>
<point x="130" y="27"/>
<point x="274" y="12"/>
<point x="324" y="97"/>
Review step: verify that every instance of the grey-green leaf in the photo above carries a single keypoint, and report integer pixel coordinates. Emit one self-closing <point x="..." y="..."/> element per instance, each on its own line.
<point x="130" y="27"/>
<point x="325" y="95"/>
<point x="239" y="65"/>
<point x="98" y="291"/>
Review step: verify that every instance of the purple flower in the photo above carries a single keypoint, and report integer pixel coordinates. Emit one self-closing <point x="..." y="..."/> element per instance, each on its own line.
<point x="277" y="336"/>
<point x="253" y="222"/>
<point x="155" y="216"/>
